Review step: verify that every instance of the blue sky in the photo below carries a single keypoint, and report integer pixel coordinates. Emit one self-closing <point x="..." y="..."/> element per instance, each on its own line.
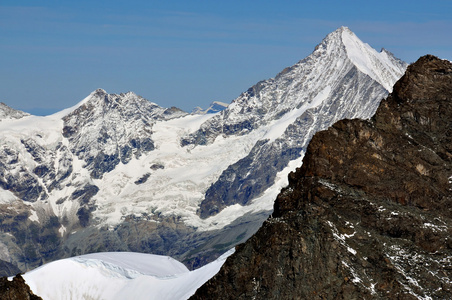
<point x="189" y="53"/>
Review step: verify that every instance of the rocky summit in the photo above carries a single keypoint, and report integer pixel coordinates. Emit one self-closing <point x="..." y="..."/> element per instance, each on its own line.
<point x="16" y="289"/>
<point x="369" y="213"/>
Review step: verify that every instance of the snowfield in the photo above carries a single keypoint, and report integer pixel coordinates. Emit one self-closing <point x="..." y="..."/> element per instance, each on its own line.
<point x="119" y="275"/>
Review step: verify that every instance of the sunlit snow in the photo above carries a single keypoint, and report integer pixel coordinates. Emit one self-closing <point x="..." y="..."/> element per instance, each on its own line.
<point x="119" y="275"/>
<point x="377" y="65"/>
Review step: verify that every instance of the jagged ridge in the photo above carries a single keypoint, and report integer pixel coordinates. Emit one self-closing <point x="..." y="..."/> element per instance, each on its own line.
<point x="7" y="112"/>
<point x="110" y="128"/>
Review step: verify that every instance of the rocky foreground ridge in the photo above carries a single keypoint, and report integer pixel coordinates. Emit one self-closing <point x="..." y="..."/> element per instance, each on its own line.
<point x="16" y="289"/>
<point x="369" y="213"/>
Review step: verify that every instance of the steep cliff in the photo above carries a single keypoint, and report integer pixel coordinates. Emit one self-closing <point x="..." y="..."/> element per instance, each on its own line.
<point x="369" y="213"/>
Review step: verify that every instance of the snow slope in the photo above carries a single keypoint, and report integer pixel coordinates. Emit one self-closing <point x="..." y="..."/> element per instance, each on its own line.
<point x="113" y="275"/>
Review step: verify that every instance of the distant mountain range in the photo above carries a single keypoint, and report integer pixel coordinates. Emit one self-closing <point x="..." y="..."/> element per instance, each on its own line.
<point x="119" y="173"/>
<point x="214" y="107"/>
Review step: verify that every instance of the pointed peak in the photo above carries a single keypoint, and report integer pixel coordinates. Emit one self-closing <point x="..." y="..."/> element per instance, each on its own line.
<point x="366" y="58"/>
<point x="344" y="29"/>
<point x="99" y="92"/>
<point x="335" y="39"/>
<point x="343" y="44"/>
<point x="338" y="33"/>
<point x="344" y="34"/>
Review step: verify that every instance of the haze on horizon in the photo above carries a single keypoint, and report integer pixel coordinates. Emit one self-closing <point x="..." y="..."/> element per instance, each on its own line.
<point x="188" y="53"/>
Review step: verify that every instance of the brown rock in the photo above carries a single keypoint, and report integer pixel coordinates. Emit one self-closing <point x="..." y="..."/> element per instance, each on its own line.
<point x="16" y="289"/>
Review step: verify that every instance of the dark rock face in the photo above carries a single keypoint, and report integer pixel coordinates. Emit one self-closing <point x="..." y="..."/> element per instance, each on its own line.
<point x="85" y="194"/>
<point x="29" y="244"/>
<point x="143" y="179"/>
<point x="368" y="215"/>
<point x="16" y="289"/>
<point x="25" y="183"/>
<point x="8" y="269"/>
<point x="145" y="235"/>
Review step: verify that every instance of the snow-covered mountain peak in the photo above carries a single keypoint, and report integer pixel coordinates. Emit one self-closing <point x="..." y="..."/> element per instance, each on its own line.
<point x="101" y="103"/>
<point x="101" y="100"/>
<point x="378" y="65"/>
<point x="302" y="86"/>
<point x="107" y="128"/>
<point x="342" y="78"/>
<point x="99" y="91"/>
<point x="381" y="66"/>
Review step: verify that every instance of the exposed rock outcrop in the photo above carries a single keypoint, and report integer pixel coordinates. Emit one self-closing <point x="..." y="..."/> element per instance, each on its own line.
<point x="16" y="289"/>
<point x="369" y="213"/>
